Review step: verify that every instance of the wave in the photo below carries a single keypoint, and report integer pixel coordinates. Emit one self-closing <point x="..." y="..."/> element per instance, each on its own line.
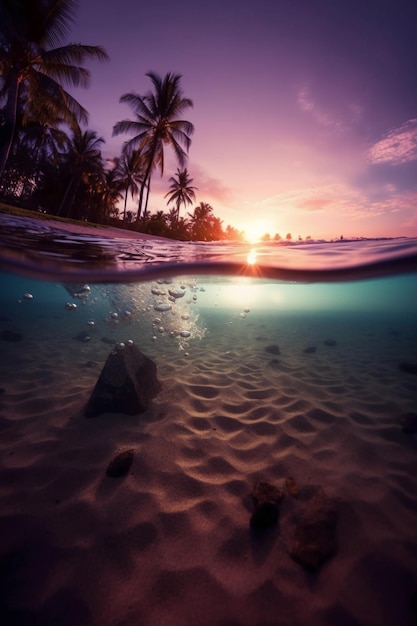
<point x="46" y="250"/>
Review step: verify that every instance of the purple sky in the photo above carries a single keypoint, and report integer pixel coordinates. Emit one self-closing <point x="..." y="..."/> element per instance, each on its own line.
<point x="305" y="111"/>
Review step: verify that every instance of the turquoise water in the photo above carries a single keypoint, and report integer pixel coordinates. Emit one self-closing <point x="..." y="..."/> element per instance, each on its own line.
<point x="169" y="296"/>
<point x="173" y="307"/>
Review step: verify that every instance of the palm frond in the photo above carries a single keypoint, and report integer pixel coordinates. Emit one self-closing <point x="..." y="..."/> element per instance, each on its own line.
<point x="58" y="18"/>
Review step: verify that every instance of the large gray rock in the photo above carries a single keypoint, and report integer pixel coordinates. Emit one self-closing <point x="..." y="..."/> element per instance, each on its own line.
<point x="127" y="383"/>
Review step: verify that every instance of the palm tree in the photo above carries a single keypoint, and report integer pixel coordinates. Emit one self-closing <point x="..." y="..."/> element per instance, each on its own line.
<point x="129" y="174"/>
<point x="84" y="161"/>
<point x="45" y="143"/>
<point x="181" y="190"/>
<point x="157" y="125"/>
<point x="204" y="225"/>
<point x="107" y="194"/>
<point x="34" y="66"/>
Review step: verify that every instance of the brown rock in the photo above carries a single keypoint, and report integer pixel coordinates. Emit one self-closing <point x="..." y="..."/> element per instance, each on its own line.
<point x="267" y="498"/>
<point x="291" y="487"/>
<point x="265" y="514"/>
<point x="315" y="534"/>
<point x="264" y="491"/>
<point x="127" y="383"/>
<point x="120" y="465"/>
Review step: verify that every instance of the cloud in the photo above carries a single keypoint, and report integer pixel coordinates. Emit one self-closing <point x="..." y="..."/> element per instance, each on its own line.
<point x="209" y="187"/>
<point x="337" y="199"/>
<point x="307" y="104"/>
<point x="399" y="146"/>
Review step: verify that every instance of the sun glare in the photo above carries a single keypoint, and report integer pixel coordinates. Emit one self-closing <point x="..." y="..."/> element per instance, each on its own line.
<point x="251" y="259"/>
<point x="255" y="231"/>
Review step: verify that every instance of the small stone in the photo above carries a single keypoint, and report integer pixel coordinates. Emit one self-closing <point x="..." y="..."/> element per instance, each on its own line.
<point x="120" y="465"/>
<point x="310" y="350"/>
<point x="265" y="515"/>
<point x="315" y="534"/>
<point x="264" y="491"/>
<point x="91" y="364"/>
<point x="291" y="487"/>
<point x="409" y="423"/>
<point x="330" y="342"/>
<point x="273" y="349"/>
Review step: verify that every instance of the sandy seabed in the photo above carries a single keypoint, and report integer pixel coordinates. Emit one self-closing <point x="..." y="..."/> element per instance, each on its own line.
<point x="170" y="543"/>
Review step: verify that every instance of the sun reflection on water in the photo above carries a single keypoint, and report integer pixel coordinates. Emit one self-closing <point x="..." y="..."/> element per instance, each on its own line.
<point x="251" y="258"/>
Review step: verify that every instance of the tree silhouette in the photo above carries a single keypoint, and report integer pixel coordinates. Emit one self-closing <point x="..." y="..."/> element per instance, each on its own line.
<point x="129" y="174"/>
<point x="181" y="191"/>
<point x="83" y="160"/>
<point x="157" y="124"/>
<point x="34" y="66"/>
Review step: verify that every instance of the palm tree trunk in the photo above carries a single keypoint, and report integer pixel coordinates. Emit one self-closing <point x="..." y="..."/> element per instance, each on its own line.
<point x="147" y="195"/>
<point x="10" y="113"/>
<point x="69" y="193"/>
<point x="124" y="209"/>
<point x="146" y="179"/>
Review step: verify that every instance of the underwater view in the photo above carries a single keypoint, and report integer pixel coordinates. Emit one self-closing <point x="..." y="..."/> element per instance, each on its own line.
<point x="213" y="434"/>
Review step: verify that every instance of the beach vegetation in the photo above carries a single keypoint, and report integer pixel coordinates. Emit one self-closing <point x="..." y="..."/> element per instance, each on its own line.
<point x="129" y="173"/>
<point x="181" y="191"/>
<point x="35" y="68"/>
<point x="82" y="163"/>
<point x="157" y="124"/>
<point x="52" y="163"/>
<point x="204" y="225"/>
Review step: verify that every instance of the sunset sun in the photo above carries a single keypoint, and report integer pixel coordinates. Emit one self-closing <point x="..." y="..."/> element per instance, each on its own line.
<point x="256" y="230"/>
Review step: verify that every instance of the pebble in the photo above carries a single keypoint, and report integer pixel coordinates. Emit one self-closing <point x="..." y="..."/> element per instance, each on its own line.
<point x="291" y="487"/>
<point x="310" y="350"/>
<point x="273" y="349"/>
<point x="120" y="465"/>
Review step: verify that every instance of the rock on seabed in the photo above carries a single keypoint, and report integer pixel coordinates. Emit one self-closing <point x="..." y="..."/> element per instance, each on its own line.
<point x="315" y="537"/>
<point x="127" y="384"/>
<point x="120" y="464"/>
<point x="267" y="498"/>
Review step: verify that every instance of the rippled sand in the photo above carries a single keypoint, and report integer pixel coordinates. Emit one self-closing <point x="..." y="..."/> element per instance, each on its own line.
<point x="170" y="543"/>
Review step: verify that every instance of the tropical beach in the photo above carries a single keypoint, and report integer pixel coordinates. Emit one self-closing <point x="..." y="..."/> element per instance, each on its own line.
<point x="208" y="304"/>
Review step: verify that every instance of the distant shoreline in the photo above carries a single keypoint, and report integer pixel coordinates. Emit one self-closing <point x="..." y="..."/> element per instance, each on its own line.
<point x="113" y="232"/>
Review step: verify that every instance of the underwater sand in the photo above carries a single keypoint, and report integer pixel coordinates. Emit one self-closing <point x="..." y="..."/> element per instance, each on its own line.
<point x="170" y="544"/>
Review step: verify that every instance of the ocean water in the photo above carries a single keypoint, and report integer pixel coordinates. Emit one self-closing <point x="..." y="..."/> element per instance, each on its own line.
<point x="276" y="360"/>
<point x="168" y="296"/>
